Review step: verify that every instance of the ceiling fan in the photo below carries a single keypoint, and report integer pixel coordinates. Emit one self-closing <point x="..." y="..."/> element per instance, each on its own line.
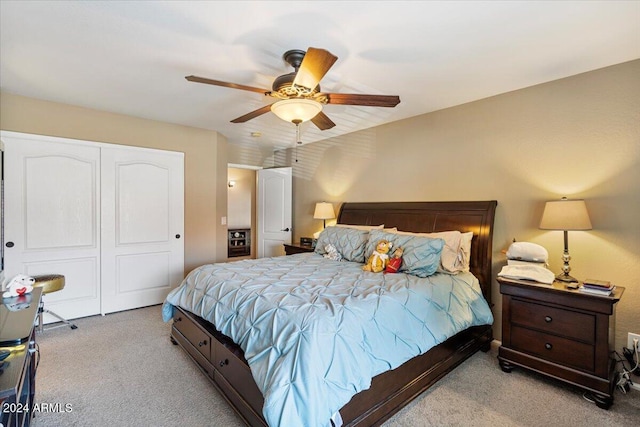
<point x="299" y="96"/>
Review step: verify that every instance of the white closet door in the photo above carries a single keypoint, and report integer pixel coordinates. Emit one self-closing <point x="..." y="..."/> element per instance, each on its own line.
<point x="142" y="226"/>
<point x="52" y="223"/>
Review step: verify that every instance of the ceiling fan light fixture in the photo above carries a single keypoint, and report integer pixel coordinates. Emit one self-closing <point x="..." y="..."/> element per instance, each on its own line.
<point x="296" y="109"/>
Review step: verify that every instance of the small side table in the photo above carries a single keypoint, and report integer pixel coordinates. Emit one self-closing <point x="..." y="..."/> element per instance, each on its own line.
<point x="292" y="248"/>
<point x="562" y="333"/>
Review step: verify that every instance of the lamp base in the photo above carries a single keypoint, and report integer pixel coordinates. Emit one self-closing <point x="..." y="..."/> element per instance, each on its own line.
<point x="563" y="277"/>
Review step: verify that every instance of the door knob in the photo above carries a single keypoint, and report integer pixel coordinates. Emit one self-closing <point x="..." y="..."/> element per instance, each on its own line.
<point x="9" y="244"/>
<point x="177" y="236"/>
<point x="286" y="229"/>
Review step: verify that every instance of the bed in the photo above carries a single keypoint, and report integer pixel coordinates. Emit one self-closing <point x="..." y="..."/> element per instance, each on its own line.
<point x="413" y="365"/>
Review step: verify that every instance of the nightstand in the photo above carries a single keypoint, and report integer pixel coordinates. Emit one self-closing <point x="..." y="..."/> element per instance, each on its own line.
<point x="564" y="334"/>
<point x="291" y="248"/>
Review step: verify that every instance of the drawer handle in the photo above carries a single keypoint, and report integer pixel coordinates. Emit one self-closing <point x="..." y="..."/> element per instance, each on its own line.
<point x="179" y="319"/>
<point x="224" y="362"/>
<point x="548" y="346"/>
<point x="548" y="319"/>
<point x="201" y="343"/>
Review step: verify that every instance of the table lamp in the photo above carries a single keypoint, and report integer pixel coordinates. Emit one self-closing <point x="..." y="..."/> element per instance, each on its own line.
<point x="565" y="215"/>
<point x="324" y="211"/>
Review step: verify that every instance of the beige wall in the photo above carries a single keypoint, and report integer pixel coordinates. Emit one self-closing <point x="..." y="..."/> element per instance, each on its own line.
<point x="578" y="137"/>
<point x="204" y="151"/>
<point x="241" y="197"/>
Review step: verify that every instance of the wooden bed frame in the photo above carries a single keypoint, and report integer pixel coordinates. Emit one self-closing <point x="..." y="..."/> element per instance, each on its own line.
<point x="223" y="361"/>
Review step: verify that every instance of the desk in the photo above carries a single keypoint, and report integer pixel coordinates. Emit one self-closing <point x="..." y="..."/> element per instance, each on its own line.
<point x="17" y="380"/>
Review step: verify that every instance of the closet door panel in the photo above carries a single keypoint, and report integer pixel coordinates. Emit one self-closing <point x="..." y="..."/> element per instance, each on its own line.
<point x="142" y="224"/>
<point x="52" y="196"/>
<point x="135" y="203"/>
<point x="68" y="202"/>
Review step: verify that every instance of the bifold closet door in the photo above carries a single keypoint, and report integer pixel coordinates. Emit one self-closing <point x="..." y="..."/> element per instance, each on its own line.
<point x="52" y="218"/>
<point x="107" y="217"/>
<point x="142" y="226"/>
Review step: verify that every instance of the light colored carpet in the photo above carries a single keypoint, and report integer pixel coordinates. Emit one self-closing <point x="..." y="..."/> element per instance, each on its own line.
<point x="122" y="370"/>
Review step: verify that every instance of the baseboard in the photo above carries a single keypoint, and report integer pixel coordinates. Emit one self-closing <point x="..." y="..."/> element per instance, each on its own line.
<point x="636" y="384"/>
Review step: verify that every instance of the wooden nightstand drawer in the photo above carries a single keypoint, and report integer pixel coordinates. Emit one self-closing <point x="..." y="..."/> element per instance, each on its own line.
<point x="553" y="348"/>
<point x="569" y="324"/>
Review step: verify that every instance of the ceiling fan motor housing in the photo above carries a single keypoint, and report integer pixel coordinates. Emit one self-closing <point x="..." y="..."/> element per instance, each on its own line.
<point x="283" y="84"/>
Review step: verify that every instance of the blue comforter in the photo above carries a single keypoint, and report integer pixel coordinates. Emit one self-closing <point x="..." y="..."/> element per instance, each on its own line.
<point x="316" y="331"/>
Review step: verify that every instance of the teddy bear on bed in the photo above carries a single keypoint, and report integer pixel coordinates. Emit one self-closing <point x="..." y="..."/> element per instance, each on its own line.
<point x="379" y="258"/>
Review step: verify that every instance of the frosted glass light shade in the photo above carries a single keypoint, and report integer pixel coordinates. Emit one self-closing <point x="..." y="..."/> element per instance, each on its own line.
<point x="296" y="109"/>
<point x="565" y="214"/>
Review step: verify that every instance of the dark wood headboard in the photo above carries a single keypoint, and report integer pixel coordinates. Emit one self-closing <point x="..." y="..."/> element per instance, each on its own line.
<point x="429" y="217"/>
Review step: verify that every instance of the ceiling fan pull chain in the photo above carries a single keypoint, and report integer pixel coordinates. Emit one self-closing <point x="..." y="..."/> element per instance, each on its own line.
<point x="298" y="141"/>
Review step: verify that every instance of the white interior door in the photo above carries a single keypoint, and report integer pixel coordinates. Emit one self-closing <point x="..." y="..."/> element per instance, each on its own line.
<point x="273" y="211"/>
<point x="142" y="226"/>
<point x="52" y="218"/>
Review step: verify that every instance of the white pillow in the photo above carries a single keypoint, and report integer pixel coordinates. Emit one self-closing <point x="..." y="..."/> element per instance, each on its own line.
<point x="527" y="251"/>
<point x="465" y="246"/>
<point x="362" y="227"/>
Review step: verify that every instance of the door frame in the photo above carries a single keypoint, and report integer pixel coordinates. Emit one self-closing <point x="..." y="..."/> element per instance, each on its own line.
<point x="254" y="204"/>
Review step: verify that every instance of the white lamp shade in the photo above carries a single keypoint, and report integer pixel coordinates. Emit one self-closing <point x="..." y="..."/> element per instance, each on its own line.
<point x="296" y="109"/>
<point x="565" y="214"/>
<point x="324" y="210"/>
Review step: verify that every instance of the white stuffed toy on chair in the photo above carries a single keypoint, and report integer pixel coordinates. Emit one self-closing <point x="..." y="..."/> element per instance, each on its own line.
<point x="19" y="285"/>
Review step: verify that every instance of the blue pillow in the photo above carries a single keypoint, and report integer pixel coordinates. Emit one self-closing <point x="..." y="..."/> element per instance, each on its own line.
<point x="349" y="242"/>
<point x="421" y="255"/>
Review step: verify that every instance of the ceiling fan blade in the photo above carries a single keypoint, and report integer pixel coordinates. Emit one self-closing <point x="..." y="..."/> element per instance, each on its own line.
<point x="315" y="64"/>
<point x="322" y="122"/>
<point x="197" y="79"/>
<point x="252" y="115"/>
<point x="364" y="100"/>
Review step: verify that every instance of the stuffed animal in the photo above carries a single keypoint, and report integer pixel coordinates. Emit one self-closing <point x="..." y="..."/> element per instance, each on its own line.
<point x="379" y="258"/>
<point x="332" y="253"/>
<point x="395" y="262"/>
<point x="19" y="285"/>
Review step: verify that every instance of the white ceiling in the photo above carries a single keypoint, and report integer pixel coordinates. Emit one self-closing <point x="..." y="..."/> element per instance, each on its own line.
<point x="131" y="57"/>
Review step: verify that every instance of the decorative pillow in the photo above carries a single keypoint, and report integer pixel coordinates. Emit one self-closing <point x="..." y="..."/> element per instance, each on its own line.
<point x="362" y="227"/>
<point x="421" y="255"/>
<point x="349" y="242"/>
<point x="452" y="259"/>
<point x="465" y="246"/>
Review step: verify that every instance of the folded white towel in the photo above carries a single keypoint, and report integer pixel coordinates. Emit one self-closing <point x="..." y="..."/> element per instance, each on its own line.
<point x="529" y="272"/>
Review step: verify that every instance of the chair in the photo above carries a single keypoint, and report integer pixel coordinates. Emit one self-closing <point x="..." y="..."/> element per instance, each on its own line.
<point x="50" y="283"/>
